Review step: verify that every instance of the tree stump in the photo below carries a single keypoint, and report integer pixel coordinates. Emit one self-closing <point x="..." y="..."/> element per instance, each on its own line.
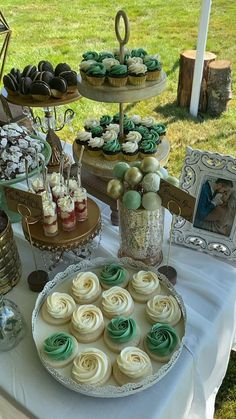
<point x="219" y="86"/>
<point x="187" y="62"/>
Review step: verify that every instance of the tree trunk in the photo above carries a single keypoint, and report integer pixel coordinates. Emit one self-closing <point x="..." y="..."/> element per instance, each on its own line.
<point x="187" y="62"/>
<point x="219" y="86"/>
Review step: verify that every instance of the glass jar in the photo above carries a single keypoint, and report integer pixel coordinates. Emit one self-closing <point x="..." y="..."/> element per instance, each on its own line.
<point x="81" y="206"/>
<point x="12" y="324"/>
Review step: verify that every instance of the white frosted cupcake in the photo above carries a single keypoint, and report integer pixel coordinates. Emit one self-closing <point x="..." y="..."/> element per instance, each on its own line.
<point x="130" y="150"/>
<point x="85" y="288"/>
<point x="87" y="323"/>
<point x="133" y="136"/>
<point x="136" y="119"/>
<point x="148" y="121"/>
<point x="95" y="146"/>
<point x="109" y="135"/>
<point x="137" y="74"/>
<point x="132" y="366"/>
<point x="144" y="285"/>
<point x="163" y="309"/>
<point x="91" y="123"/>
<point x="109" y="62"/>
<point x="58" y="308"/>
<point x="83" y="137"/>
<point x="134" y="60"/>
<point x="84" y="66"/>
<point x="116" y="302"/>
<point x="91" y="367"/>
<point x="113" y="127"/>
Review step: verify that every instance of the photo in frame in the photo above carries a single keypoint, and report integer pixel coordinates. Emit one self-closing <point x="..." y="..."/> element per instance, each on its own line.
<point x="211" y="179"/>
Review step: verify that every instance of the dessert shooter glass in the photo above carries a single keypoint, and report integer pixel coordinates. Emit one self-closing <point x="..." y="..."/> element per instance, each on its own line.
<point x="67" y="213"/>
<point x="81" y="206"/>
<point x="38" y="186"/>
<point x="50" y="225"/>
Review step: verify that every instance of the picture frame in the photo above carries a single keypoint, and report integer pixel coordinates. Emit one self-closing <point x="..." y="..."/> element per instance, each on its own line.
<point x="211" y="179"/>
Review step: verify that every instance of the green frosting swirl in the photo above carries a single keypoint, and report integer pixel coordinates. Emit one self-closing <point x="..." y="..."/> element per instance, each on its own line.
<point x="139" y="52"/>
<point x="113" y="274"/>
<point x="118" y="70"/>
<point x="162" y="339"/>
<point x="105" y="54"/>
<point x="121" y="329"/>
<point x="97" y="70"/>
<point x="59" y="346"/>
<point x="90" y="55"/>
<point x="148" y="146"/>
<point x="151" y="136"/>
<point x="159" y="128"/>
<point x="153" y="65"/>
<point x="117" y="57"/>
<point x="112" y="146"/>
<point x="128" y="125"/>
<point x="142" y="130"/>
<point x="116" y="118"/>
<point x="96" y="131"/>
<point x="105" y="120"/>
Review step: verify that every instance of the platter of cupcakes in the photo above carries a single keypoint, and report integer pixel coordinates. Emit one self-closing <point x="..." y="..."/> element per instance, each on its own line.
<point x="41" y="83"/>
<point x="104" y="78"/>
<point x="100" y="137"/>
<point x="108" y="328"/>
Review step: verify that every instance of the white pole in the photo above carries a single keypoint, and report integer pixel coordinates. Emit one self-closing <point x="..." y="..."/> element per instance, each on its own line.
<point x="201" y="46"/>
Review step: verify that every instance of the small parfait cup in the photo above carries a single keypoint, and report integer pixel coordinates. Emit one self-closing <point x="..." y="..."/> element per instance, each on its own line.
<point x="50" y="225"/>
<point x="81" y="206"/>
<point x="38" y="185"/>
<point x="58" y="191"/>
<point x="67" y="213"/>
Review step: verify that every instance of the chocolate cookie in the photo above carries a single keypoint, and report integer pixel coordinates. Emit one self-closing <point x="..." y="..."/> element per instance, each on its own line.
<point x="35" y="75"/>
<point x="40" y="90"/>
<point x="16" y="73"/>
<point x="28" y="71"/>
<point x="25" y="85"/>
<point x="58" y="87"/>
<point x="46" y="76"/>
<point x="10" y="83"/>
<point x="45" y="66"/>
<point x="71" y="79"/>
<point x="61" y="67"/>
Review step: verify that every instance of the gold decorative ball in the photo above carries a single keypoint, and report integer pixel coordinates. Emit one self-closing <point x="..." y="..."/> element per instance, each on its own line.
<point x="115" y="188"/>
<point x="150" y="164"/>
<point x="133" y="176"/>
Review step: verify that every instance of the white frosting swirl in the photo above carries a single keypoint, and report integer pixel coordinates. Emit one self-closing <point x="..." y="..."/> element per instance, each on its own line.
<point x="49" y="208"/>
<point x="54" y="179"/>
<point x="163" y="309"/>
<point x="90" y="366"/>
<point x="145" y="282"/>
<point x="80" y="194"/>
<point x="60" y="305"/>
<point x="148" y="121"/>
<point x="134" y="60"/>
<point x="96" y="142"/>
<point x="134" y="362"/>
<point x="137" y="68"/>
<point x="113" y="127"/>
<point x="59" y="191"/>
<point x="129" y="147"/>
<point x="116" y="301"/>
<point x="84" y="136"/>
<point x="109" y="62"/>
<point x="136" y="119"/>
<point x="109" y="135"/>
<point x="85" y="285"/>
<point x="84" y="65"/>
<point x="87" y="319"/>
<point x="133" y="136"/>
<point x="66" y="204"/>
<point x="37" y="184"/>
<point x="151" y="57"/>
<point x="91" y="122"/>
<point x="73" y="185"/>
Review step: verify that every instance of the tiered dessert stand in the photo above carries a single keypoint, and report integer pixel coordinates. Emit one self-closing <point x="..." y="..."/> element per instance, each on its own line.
<point x="98" y="167"/>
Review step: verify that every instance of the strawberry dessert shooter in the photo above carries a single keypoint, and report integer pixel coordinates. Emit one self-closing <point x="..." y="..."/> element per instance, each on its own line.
<point x="81" y="207"/>
<point x="67" y="213"/>
<point x="50" y="225"/>
<point x="58" y="191"/>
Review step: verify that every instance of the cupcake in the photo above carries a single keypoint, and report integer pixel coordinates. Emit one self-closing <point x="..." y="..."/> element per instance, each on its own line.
<point x="58" y="308"/>
<point x="128" y="125"/>
<point x="137" y="74"/>
<point x="160" y="129"/>
<point x="85" y="288"/>
<point x="91" y="122"/>
<point x="109" y="135"/>
<point x="90" y="55"/>
<point x="134" y="60"/>
<point x="113" y="275"/>
<point x="133" y="136"/>
<point x="120" y="333"/>
<point x="141" y="129"/>
<point x="136" y="119"/>
<point x="117" y="302"/>
<point x="144" y="285"/>
<point x="153" y="69"/>
<point x="116" y="118"/>
<point x="132" y="366"/>
<point x="148" y="121"/>
<point x="83" y="137"/>
<point x="113" y="127"/>
<point x="84" y="66"/>
<point x="105" y="120"/>
<point x="104" y="55"/>
<point x="96" y="74"/>
<point x="147" y="148"/>
<point x="59" y="349"/>
<point x="91" y="367"/>
<point x="139" y="52"/>
<point x="130" y="150"/>
<point x="118" y="75"/>
<point x="152" y="136"/>
<point x="109" y="62"/>
<point x="95" y="146"/>
<point x="96" y="131"/>
<point x="111" y="150"/>
<point x="163" y="309"/>
<point x="87" y="323"/>
<point x="161" y="342"/>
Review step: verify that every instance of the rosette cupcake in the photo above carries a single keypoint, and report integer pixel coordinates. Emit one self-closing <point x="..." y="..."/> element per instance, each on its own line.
<point x="134" y="60"/>
<point x="90" y="55"/>
<point x="137" y="74"/>
<point x="96" y="74"/>
<point x="58" y="308"/>
<point x="132" y="366"/>
<point x="91" y="367"/>
<point x="87" y="323"/>
<point x="153" y="69"/>
<point x="113" y="127"/>
<point x="163" y="309"/>
<point x="160" y="129"/>
<point x="109" y="62"/>
<point x="111" y="149"/>
<point x="116" y="118"/>
<point x="161" y="342"/>
<point x="118" y="75"/>
<point x="104" y="55"/>
<point x="130" y="150"/>
<point x="141" y="129"/>
<point x="120" y="333"/>
<point x="117" y="302"/>
<point x="105" y="120"/>
<point x="113" y="275"/>
<point x="109" y="135"/>
<point x="147" y="148"/>
<point x="83" y="138"/>
<point x="95" y="146"/>
<point x="96" y="131"/>
<point x="139" y="52"/>
<point x="84" y="66"/>
<point x="128" y="125"/>
<point x="90" y="123"/>
<point x="152" y="136"/>
<point x="59" y="349"/>
<point x="133" y="136"/>
<point x="85" y="288"/>
<point x="136" y="119"/>
<point x="144" y="285"/>
<point x="148" y="121"/>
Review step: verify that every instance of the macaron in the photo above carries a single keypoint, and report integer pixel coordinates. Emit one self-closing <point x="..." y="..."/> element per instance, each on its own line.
<point x="16" y="73"/>
<point x="40" y="90"/>
<point x="28" y="71"/>
<point x="58" y="87"/>
<point x="71" y="79"/>
<point x="10" y="84"/>
<point x="61" y="67"/>
<point x="25" y="85"/>
<point x="45" y="66"/>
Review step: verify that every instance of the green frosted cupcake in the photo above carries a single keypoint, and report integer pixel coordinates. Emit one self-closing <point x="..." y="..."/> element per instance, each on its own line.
<point x="96" y="74"/>
<point x="139" y="52"/>
<point x="128" y="125"/>
<point x="141" y="129"/>
<point x="105" y="120"/>
<point x="160" y="129"/>
<point x="147" y="148"/>
<point x="161" y="342"/>
<point x="116" y="118"/>
<point x="96" y="131"/>
<point x="118" y="75"/>
<point x="120" y="333"/>
<point x="152" y="135"/>
<point x="153" y="69"/>
<point x="90" y="55"/>
<point x="111" y="150"/>
<point x="112" y="275"/>
<point x="105" y="54"/>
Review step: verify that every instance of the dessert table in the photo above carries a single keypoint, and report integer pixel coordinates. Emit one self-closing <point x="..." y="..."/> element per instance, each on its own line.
<point x="208" y="288"/>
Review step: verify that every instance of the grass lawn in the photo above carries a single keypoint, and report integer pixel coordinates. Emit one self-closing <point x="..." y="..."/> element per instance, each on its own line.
<point x="62" y="31"/>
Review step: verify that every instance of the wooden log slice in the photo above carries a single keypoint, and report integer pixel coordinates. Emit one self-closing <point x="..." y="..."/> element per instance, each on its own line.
<point x="219" y="86"/>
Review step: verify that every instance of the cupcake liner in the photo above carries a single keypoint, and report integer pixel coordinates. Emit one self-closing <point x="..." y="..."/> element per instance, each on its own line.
<point x="137" y="81"/>
<point x="153" y="75"/>
<point x="142" y="155"/>
<point x="95" y="81"/>
<point x="111" y="157"/>
<point x="94" y="153"/>
<point x="129" y="157"/>
<point x="83" y="75"/>
<point x="117" y="81"/>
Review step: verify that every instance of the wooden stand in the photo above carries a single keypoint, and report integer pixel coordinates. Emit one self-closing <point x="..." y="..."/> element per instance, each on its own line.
<point x="219" y="86"/>
<point x="187" y="62"/>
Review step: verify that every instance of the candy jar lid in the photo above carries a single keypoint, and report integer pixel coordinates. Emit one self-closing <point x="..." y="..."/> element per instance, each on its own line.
<point x="12" y="324"/>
